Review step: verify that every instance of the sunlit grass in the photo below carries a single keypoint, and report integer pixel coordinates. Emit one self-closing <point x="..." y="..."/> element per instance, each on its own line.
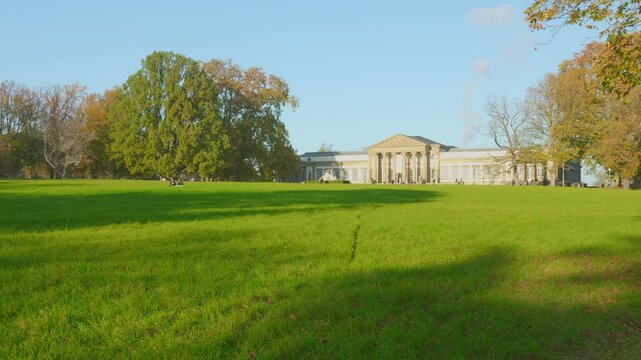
<point x="107" y="269"/>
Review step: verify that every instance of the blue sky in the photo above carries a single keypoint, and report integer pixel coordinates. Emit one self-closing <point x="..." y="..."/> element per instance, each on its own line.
<point x="362" y="70"/>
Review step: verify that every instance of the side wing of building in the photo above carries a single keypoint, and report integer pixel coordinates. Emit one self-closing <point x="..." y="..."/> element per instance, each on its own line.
<point x="350" y="165"/>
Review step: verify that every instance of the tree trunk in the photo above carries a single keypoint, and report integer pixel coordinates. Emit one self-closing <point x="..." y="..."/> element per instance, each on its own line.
<point x="553" y="173"/>
<point x="626" y="184"/>
<point x="513" y="174"/>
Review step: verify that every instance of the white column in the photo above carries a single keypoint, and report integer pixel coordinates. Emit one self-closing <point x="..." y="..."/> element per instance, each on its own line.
<point x="414" y="167"/>
<point x="375" y="168"/>
<point x="425" y="166"/>
<point x="385" y="169"/>
<point x="394" y="171"/>
<point x="403" y="167"/>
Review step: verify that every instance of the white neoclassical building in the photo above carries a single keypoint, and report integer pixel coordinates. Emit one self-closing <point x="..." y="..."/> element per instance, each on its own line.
<point x="418" y="160"/>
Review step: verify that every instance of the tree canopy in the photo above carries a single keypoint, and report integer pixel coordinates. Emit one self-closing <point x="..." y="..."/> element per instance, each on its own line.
<point x="166" y="120"/>
<point x="174" y="117"/>
<point x="619" y="63"/>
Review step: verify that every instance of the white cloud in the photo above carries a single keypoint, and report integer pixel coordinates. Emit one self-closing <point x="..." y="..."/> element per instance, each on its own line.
<point x="482" y="67"/>
<point x="488" y="16"/>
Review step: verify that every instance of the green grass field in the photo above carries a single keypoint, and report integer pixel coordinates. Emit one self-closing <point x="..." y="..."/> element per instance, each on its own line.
<point x="124" y="269"/>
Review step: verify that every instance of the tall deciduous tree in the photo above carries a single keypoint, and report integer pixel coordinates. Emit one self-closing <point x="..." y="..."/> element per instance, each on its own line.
<point x="63" y="119"/>
<point x="166" y="120"/>
<point x="98" y="159"/>
<point x="20" y="109"/>
<point x="251" y="103"/>
<point x="507" y="127"/>
<point x="564" y="115"/>
<point x="619" y="145"/>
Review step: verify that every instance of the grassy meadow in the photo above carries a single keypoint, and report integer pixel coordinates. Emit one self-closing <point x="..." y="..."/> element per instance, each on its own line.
<point x="135" y="269"/>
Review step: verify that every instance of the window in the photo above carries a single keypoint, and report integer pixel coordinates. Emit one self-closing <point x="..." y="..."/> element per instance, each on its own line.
<point x="466" y="171"/>
<point x="476" y="171"/>
<point x="363" y="174"/>
<point x="319" y="173"/>
<point x="455" y="173"/>
<point x="354" y="174"/>
<point x="446" y="172"/>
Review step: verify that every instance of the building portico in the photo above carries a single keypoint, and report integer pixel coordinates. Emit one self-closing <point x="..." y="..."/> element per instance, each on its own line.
<point x="403" y="159"/>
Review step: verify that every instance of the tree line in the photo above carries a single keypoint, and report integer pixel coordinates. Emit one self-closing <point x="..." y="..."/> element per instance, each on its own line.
<point x="590" y="108"/>
<point x="174" y="118"/>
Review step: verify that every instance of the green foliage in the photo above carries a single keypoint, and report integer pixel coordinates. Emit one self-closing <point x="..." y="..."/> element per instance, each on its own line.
<point x="165" y="119"/>
<point x="134" y="269"/>
<point x="174" y="117"/>
<point x="251" y="103"/>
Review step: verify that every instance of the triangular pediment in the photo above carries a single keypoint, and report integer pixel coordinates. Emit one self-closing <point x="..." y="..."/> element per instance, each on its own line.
<point x="398" y="141"/>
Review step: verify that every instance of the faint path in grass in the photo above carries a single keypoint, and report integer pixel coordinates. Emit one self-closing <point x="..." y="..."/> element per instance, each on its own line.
<point x="355" y="234"/>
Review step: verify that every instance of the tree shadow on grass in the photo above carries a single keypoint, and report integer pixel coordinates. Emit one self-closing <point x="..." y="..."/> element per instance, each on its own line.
<point x="39" y="184"/>
<point x="157" y="248"/>
<point x="457" y="310"/>
<point x="32" y="213"/>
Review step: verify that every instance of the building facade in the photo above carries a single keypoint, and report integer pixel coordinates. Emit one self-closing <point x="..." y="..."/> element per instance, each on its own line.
<point x="418" y="160"/>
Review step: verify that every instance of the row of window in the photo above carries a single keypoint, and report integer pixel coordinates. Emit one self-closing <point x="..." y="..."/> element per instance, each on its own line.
<point x="468" y="171"/>
<point x="352" y="174"/>
<point x="483" y="171"/>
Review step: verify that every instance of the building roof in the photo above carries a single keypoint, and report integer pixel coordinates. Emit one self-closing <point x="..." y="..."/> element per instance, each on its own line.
<point x="332" y="153"/>
<point x="425" y="140"/>
<point x="477" y="149"/>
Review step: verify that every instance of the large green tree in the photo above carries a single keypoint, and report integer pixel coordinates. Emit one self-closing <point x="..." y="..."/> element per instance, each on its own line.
<point x="165" y="120"/>
<point x="251" y="103"/>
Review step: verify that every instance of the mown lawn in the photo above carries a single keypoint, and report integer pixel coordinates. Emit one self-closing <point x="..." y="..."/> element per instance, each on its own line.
<point x="133" y="269"/>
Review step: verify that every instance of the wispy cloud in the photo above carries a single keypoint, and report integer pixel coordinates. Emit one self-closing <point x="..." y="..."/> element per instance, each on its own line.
<point x="482" y="68"/>
<point x="471" y="119"/>
<point x="517" y="51"/>
<point x="490" y="16"/>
